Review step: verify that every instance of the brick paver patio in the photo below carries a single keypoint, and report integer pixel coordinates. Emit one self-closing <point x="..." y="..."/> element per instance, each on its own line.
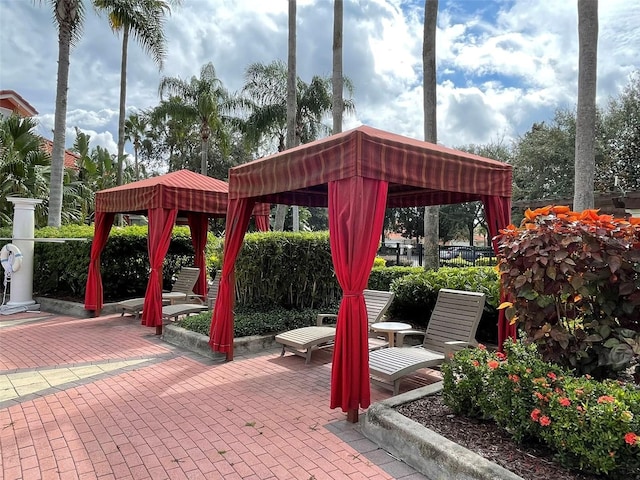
<point x="106" y="398"/>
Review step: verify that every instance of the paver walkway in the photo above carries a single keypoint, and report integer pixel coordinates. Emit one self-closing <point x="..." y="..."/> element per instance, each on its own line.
<point x="105" y="398"/>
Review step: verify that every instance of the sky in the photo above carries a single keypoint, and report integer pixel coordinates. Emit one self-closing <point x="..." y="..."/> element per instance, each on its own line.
<point x="502" y="64"/>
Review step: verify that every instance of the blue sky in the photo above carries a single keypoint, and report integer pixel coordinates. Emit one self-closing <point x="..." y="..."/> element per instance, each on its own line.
<point x="502" y="65"/>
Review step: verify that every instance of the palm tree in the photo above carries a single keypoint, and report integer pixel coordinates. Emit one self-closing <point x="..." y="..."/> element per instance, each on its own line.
<point x="23" y="162"/>
<point x="202" y="100"/>
<point x="136" y="130"/>
<point x="431" y="213"/>
<point x="292" y="105"/>
<point x="68" y="15"/>
<point x="586" y="115"/>
<point x="336" y="80"/>
<point x="144" y="20"/>
<point x="265" y="98"/>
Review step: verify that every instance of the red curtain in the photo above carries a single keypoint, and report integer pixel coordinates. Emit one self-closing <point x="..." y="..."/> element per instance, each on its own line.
<point x="221" y="336"/>
<point x="356" y="216"/>
<point x="199" y="224"/>
<point x="161" y="221"/>
<point x="93" y="291"/>
<point x="498" y="213"/>
<point x="262" y="222"/>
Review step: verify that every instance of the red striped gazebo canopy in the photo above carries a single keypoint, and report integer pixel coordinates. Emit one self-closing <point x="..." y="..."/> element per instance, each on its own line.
<point x="419" y="173"/>
<point x="185" y="190"/>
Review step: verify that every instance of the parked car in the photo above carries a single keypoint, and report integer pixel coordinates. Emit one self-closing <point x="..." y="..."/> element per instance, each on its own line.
<point x="467" y="253"/>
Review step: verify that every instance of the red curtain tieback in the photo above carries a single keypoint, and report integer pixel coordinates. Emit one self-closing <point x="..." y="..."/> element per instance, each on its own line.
<point x="353" y="294"/>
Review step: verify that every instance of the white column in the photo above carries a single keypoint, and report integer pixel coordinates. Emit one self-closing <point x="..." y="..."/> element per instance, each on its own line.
<point x="23" y="227"/>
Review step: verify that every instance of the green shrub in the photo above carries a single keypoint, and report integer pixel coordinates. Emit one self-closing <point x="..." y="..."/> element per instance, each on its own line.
<point x="592" y="425"/>
<point x="574" y="280"/>
<point x="382" y="277"/>
<point x="379" y="262"/>
<point x="249" y="322"/>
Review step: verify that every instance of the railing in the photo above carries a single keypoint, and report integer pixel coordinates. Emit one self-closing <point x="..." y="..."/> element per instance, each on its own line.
<point x="450" y="256"/>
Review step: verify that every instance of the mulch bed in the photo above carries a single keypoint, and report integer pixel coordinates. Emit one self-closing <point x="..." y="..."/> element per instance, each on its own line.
<point x="528" y="460"/>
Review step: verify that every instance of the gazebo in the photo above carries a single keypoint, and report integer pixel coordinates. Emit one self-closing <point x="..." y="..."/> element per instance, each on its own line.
<point x="162" y="199"/>
<point x="356" y="174"/>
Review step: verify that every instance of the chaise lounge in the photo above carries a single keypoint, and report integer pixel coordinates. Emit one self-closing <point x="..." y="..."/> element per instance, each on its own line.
<point x="452" y="326"/>
<point x="303" y="341"/>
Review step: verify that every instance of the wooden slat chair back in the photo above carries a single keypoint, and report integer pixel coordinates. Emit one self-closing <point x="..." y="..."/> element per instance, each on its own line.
<point x="455" y="318"/>
<point x="182" y="289"/>
<point x="212" y="294"/>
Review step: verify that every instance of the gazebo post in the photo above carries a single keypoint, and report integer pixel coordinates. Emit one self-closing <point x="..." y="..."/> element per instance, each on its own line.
<point x="352" y="415"/>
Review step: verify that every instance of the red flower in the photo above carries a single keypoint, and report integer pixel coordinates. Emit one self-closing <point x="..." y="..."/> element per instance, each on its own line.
<point x="564" y="401"/>
<point x="501" y="356"/>
<point x="551" y="375"/>
<point x="493" y="364"/>
<point x="475" y="363"/>
<point x="545" y="421"/>
<point x="580" y="408"/>
<point x="606" y="399"/>
<point x="631" y="438"/>
<point x="481" y="346"/>
<point x="539" y="395"/>
<point x="535" y="414"/>
<point x="514" y="378"/>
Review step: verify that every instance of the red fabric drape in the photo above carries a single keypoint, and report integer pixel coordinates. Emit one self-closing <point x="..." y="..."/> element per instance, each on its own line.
<point x="199" y="224"/>
<point x="221" y="336"/>
<point x="161" y="222"/>
<point x="93" y="291"/>
<point x="356" y="216"/>
<point x="262" y="222"/>
<point x="498" y="213"/>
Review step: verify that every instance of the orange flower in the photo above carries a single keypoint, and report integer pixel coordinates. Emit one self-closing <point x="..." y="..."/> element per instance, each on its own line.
<point x="493" y="364"/>
<point x="475" y="363"/>
<point x="606" y="399"/>
<point x="514" y="378"/>
<point x="481" y="346"/>
<point x="634" y="220"/>
<point x="545" y="421"/>
<point x="631" y="438"/>
<point x="535" y="414"/>
<point x="551" y="375"/>
<point x="564" y="401"/>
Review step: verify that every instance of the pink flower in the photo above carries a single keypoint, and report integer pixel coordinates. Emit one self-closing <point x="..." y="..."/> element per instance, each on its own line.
<point x="475" y="363"/>
<point x="535" y="414"/>
<point x="606" y="399"/>
<point x="481" y="346"/>
<point x="493" y="364"/>
<point x="501" y="356"/>
<point x="551" y="375"/>
<point x="564" y="401"/>
<point x="631" y="438"/>
<point x="514" y="378"/>
<point x="545" y="421"/>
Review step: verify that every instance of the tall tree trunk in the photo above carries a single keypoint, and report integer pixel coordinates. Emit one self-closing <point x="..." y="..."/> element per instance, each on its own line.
<point x="123" y="101"/>
<point x="431" y="213"/>
<point x="586" y="115"/>
<point x="337" y="79"/>
<point x="281" y="210"/>
<point x="60" y="124"/>
<point x="204" y="157"/>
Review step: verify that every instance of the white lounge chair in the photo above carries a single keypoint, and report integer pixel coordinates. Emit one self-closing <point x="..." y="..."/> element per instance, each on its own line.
<point x="303" y="341"/>
<point x="452" y="326"/>
<point x="172" y="312"/>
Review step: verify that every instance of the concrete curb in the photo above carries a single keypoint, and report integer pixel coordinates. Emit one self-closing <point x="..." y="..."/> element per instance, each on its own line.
<point x="425" y="450"/>
<point x="74" y="309"/>
<point x="199" y="343"/>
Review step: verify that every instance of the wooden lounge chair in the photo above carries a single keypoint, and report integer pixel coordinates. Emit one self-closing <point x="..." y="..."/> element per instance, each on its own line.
<point x="172" y="312"/>
<point x="452" y="326"/>
<point x="182" y="289"/>
<point x="303" y="341"/>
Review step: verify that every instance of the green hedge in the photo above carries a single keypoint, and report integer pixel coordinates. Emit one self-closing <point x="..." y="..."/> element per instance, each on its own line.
<point x="288" y="270"/>
<point x="61" y="269"/>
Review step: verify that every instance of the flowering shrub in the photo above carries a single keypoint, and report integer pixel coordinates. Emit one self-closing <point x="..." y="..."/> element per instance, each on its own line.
<point x="575" y="284"/>
<point x="593" y="426"/>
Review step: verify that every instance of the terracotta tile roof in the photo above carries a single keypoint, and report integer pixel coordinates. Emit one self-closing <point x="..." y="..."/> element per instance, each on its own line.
<point x="69" y="157"/>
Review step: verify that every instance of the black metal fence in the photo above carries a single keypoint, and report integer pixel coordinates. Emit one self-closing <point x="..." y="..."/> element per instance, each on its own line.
<point x="450" y="255"/>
